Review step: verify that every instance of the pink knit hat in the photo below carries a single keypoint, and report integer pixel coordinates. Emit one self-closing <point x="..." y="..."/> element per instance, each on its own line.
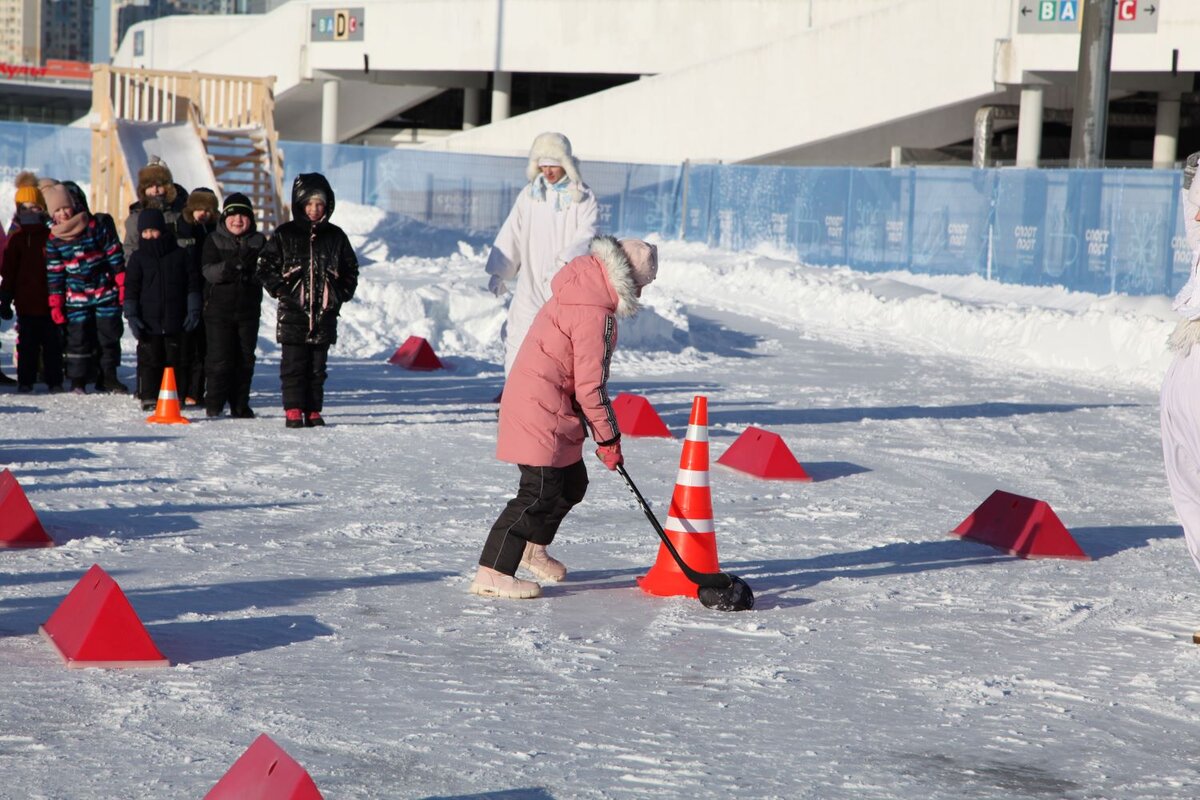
<point x="57" y="197"/>
<point x="643" y="260"/>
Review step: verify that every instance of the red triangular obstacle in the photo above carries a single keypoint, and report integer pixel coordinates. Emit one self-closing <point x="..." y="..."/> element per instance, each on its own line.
<point x="636" y="417"/>
<point x="19" y="525"/>
<point x="416" y="354"/>
<point x="265" y="772"/>
<point x="96" y="627"/>
<point x="1021" y="526"/>
<point x="764" y="455"/>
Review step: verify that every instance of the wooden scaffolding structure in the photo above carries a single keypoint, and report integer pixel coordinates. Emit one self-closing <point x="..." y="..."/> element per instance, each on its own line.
<point x="233" y="116"/>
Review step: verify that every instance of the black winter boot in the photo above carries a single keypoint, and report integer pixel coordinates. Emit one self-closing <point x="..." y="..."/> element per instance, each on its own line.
<point x="112" y="385"/>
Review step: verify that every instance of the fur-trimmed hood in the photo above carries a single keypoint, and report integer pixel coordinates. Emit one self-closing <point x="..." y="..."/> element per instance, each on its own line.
<point x="579" y="283"/>
<point x="557" y="147"/>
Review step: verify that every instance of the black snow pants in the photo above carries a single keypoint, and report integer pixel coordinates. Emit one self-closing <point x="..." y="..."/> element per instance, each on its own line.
<point x="39" y="339"/>
<point x="191" y="382"/>
<point x="544" y="497"/>
<point x="88" y="332"/>
<point x="302" y="373"/>
<point x="230" y="364"/>
<point x="156" y="352"/>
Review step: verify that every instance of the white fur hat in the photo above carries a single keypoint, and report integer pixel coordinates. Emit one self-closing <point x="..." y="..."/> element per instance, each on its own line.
<point x="555" y="147"/>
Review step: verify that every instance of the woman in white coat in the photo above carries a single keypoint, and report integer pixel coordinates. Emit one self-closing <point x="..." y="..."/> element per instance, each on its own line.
<point x="553" y="220"/>
<point x="1179" y="407"/>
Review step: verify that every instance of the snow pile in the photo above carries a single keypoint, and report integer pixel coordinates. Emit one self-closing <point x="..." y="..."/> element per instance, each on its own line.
<point x="444" y="300"/>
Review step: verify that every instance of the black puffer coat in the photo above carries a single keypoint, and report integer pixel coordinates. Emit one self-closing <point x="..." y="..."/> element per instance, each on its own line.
<point x="158" y="279"/>
<point x="310" y="268"/>
<point x="232" y="292"/>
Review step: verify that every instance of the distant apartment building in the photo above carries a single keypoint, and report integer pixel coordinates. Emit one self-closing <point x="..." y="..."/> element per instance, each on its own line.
<point x="20" y="31"/>
<point x="67" y="30"/>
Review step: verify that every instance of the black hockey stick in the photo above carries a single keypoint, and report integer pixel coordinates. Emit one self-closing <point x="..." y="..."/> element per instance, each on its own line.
<point x="718" y="590"/>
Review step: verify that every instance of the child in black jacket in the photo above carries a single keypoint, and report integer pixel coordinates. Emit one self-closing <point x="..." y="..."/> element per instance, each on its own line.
<point x="232" y="306"/>
<point x="162" y="300"/>
<point x="310" y="268"/>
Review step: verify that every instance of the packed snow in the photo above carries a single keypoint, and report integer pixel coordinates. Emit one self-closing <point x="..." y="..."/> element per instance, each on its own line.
<point x="311" y="584"/>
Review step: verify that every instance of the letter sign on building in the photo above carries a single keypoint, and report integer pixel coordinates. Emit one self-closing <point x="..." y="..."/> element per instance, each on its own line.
<point x="1063" y="16"/>
<point x="336" y="25"/>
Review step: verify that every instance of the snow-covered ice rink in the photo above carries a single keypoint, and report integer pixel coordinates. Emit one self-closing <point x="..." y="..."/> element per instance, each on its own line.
<point x="311" y="584"/>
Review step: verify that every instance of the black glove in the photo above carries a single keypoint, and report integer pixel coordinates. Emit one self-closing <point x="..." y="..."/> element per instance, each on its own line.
<point x="195" y="305"/>
<point x="136" y="326"/>
<point x="6" y="311"/>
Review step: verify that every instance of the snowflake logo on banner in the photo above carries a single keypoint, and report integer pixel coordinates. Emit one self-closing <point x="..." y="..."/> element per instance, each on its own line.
<point x="865" y="241"/>
<point x="1141" y="251"/>
<point x="808" y="227"/>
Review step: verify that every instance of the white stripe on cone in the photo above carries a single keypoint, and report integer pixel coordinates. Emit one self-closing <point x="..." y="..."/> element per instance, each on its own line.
<point x="697" y="433"/>
<point x="692" y="477"/>
<point x="689" y="525"/>
<point x="167" y="394"/>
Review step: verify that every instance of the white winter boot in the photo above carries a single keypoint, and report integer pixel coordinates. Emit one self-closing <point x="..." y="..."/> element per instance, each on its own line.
<point x="542" y="564"/>
<point x="490" y="583"/>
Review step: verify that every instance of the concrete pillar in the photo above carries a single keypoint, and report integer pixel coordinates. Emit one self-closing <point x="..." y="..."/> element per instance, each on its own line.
<point x="1029" y="126"/>
<point x="472" y="106"/>
<point x="1166" y="130"/>
<point x="329" y="112"/>
<point x="501" y="95"/>
<point x="897" y="156"/>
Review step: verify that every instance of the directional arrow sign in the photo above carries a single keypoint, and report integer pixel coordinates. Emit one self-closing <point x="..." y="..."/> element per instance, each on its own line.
<point x="1063" y="16"/>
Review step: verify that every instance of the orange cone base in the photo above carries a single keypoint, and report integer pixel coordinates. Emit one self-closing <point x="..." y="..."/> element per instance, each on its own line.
<point x="665" y="579"/>
<point x="167" y="420"/>
<point x="1020" y="526"/>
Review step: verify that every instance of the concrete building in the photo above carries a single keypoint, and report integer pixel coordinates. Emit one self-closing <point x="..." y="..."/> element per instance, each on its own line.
<point x="770" y="81"/>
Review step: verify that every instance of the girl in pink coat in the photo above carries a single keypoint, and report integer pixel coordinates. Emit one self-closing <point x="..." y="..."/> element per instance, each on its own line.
<point x="557" y="384"/>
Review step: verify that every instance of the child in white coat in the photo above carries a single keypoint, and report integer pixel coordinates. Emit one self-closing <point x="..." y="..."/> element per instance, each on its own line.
<point x="1180" y="400"/>
<point x="553" y="220"/>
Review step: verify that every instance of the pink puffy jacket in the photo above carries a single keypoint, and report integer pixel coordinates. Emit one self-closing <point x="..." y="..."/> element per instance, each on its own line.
<point x="561" y="370"/>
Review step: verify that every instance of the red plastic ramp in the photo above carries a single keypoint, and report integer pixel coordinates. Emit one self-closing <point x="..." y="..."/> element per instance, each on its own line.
<point x="1021" y="526"/>
<point x="416" y="354"/>
<point x="265" y="772"/>
<point x="637" y="417"/>
<point x="19" y="525"/>
<point x="763" y="454"/>
<point x="96" y="627"/>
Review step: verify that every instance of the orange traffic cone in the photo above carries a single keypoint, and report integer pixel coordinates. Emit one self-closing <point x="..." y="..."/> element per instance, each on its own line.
<point x="689" y="523"/>
<point x="167" y="410"/>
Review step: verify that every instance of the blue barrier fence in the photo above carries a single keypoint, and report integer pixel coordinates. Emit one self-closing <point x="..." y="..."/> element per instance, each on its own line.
<point x="1090" y="230"/>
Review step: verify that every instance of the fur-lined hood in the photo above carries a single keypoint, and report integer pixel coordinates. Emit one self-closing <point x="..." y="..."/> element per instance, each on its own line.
<point x="558" y="147"/>
<point x="579" y="283"/>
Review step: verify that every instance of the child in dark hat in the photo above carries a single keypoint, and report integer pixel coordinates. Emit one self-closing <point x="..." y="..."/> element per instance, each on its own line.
<point x="156" y="188"/>
<point x="162" y="301"/>
<point x="232" y="306"/>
